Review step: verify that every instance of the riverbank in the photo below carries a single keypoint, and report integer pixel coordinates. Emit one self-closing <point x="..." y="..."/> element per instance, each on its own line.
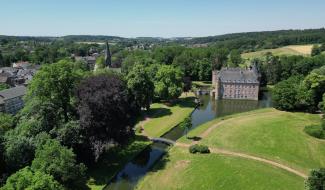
<point x="162" y="117"/>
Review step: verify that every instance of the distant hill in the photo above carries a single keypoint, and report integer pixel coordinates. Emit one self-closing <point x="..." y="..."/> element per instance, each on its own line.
<point x="246" y="42"/>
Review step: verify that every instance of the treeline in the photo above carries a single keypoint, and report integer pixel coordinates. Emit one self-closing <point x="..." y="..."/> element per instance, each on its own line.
<point x="299" y="81"/>
<point x="253" y="41"/>
<point x="195" y="63"/>
<point x="50" y="52"/>
<point x="72" y="116"/>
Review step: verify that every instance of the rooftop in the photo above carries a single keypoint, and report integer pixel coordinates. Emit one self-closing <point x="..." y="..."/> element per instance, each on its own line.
<point x="238" y="75"/>
<point x="12" y="93"/>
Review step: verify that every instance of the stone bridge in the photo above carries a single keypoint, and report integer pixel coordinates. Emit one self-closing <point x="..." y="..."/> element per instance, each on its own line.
<point x="163" y="140"/>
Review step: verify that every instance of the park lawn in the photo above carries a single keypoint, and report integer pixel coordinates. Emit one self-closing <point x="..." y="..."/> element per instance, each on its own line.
<point x="182" y="170"/>
<point x="274" y="135"/>
<point x="200" y="129"/>
<point x="304" y="50"/>
<point x="163" y="118"/>
<point x="113" y="161"/>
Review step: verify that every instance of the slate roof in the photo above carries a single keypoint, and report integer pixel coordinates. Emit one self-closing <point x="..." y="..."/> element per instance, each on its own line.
<point x="12" y="93"/>
<point x="238" y="75"/>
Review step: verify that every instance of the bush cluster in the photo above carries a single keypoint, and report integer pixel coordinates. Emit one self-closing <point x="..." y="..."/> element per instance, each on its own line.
<point x="317" y="131"/>
<point x="203" y="149"/>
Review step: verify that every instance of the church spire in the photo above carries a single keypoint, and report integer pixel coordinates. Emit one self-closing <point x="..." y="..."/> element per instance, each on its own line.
<point x="108" y="61"/>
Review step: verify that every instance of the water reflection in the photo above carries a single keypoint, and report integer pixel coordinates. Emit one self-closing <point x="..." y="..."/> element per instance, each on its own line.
<point x="127" y="178"/>
<point x="216" y="108"/>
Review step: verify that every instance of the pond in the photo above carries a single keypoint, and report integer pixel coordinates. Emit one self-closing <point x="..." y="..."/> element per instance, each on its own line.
<point x="210" y="109"/>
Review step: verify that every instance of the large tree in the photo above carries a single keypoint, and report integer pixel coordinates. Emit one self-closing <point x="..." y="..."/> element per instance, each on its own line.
<point x="141" y="86"/>
<point x="168" y="82"/>
<point x="58" y="161"/>
<point x="220" y="58"/>
<point x="55" y="84"/>
<point x="30" y="180"/>
<point x="107" y="111"/>
<point x="285" y="93"/>
<point x="235" y="58"/>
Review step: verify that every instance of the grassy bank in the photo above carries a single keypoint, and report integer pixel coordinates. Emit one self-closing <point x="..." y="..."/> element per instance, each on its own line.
<point x="182" y="170"/>
<point x="162" y="117"/>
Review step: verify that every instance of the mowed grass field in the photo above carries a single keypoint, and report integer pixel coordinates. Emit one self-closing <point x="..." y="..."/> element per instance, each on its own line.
<point x="212" y="171"/>
<point x="265" y="133"/>
<point x="304" y="50"/>
<point x="273" y="135"/>
<point x="161" y="117"/>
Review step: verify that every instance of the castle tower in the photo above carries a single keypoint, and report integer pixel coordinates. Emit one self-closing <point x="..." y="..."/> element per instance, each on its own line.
<point x="217" y="88"/>
<point x="108" y="58"/>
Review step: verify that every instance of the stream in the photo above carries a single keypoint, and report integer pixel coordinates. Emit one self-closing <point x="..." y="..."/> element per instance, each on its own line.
<point x="128" y="177"/>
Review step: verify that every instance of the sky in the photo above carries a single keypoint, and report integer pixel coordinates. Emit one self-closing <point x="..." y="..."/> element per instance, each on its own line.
<point x="156" y="18"/>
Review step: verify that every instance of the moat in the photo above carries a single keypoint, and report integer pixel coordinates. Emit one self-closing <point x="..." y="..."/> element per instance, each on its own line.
<point x="127" y="178"/>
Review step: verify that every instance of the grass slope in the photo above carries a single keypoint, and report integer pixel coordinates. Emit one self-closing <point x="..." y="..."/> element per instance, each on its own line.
<point x="186" y="171"/>
<point x="304" y="50"/>
<point x="162" y="118"/>
<point x="273" y="135"/>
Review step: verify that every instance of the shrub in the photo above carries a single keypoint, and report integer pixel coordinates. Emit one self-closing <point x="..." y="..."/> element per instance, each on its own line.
<point x="316" y="180"/>
<point x="199" y="149"/>
<point x="315" y="131"/>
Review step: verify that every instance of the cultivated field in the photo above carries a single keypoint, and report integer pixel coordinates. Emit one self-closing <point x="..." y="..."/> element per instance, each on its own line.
<point x="304" y="50"/>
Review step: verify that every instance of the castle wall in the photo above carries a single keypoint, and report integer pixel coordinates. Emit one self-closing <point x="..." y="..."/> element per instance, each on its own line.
<point x="239" y="91"/>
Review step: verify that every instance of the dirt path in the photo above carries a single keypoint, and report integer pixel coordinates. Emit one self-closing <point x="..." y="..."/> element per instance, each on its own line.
<point x="247" y="156"/>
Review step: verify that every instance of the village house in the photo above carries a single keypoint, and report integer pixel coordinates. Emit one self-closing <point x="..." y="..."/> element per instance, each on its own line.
<point x="11" y="100"/>
<point x="236" y="83"/>
<point x="21" y="73"/>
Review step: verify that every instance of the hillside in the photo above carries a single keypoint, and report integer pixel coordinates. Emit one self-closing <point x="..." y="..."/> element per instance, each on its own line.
<point x="304" y="50"/>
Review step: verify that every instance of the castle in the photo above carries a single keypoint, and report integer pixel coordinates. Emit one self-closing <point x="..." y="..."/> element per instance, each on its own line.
<point x="236" y="83"/>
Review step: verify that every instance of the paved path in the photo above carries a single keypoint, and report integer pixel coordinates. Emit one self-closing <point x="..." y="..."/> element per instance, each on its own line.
<point x="247" y="156"/>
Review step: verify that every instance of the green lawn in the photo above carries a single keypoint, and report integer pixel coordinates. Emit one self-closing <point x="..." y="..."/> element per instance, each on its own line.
<point x="273" y="135"/>
<point x="162" y="117"/>
<point x="185" y="171"/>
<point x="112" y="161"/>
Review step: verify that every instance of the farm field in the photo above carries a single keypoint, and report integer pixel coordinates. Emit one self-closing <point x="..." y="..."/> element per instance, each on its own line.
<point x="304" y="50"/>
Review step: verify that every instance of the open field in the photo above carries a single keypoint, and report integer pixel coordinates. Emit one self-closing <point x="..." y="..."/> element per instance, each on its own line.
<point x="271" y="134"/>
<point x="161" y="118"/>
<point x="182" y="170"/>
<point x="304" y="50"/>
